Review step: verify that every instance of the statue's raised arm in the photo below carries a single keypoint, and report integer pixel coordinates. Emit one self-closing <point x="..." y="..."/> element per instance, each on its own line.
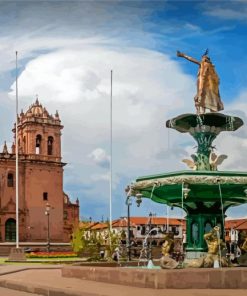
<point x="182" y="55"/>
<point x="208" y="95"/>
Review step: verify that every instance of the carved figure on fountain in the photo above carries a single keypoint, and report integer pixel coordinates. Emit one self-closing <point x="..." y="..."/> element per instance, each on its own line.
<point x="215" y="250"/>
<point x="166" y="262"/>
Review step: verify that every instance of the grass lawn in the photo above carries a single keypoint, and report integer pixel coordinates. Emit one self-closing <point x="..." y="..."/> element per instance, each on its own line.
<point x="43" y="260"/>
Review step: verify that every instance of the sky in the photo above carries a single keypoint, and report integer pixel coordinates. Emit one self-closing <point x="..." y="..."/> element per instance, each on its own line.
<point x="66" y="51"/>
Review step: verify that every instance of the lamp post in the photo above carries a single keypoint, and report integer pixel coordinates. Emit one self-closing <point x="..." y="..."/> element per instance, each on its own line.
<point x="47" y="213"/>
<point x="149" y="231"/>
<point x="128" y="202"/>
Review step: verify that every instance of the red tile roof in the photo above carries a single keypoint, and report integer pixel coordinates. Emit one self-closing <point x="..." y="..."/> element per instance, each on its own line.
<point x="100" y="226"/>
<point x="157" y="221"/>
<point x="134" y="221"/>
<point x="239" y="224"/>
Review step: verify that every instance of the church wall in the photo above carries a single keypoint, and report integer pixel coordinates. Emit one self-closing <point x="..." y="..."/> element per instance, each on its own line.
<point x="41" y="179"/>
<point x="8" y="198"/>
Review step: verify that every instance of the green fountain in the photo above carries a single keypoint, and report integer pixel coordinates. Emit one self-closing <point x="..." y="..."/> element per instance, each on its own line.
<point x="203" y="192"/>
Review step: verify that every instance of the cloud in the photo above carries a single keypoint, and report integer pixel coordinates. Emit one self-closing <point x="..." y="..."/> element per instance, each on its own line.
<point x="231" y="10"/>
<point x="100" y="157"/>
<point x="147" y="87"/>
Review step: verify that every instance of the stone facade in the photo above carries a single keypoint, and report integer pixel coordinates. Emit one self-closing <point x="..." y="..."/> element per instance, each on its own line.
<point x="40" y="181"/>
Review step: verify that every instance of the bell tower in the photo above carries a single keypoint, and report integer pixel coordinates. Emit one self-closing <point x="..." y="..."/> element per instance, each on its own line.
<point x="41" y="171"/>
<point x="39" y="133"/>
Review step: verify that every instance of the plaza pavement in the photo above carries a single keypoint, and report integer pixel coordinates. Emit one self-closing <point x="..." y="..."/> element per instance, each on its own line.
<point x="47" y="280"/>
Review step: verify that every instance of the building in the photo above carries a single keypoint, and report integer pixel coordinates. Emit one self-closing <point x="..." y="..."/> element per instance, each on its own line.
<point x="233" y="227"/>
<point x="40" y="181"/>
<point x="140" y="227"/>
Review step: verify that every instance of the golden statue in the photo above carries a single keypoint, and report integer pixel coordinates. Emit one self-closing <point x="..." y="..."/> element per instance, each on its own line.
<point x="242" y="259"/>
<point x="208" y="95"/>
<point x="168" y="245"/>
<point x="215" y="248"/>
<point x="166" y="262"/>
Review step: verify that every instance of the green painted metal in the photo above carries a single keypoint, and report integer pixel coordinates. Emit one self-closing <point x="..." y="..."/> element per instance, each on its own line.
<point x="204" y="129"/>
<point x="203" y="202"/>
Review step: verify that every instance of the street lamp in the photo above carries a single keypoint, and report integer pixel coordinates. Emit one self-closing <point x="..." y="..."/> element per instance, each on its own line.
<point x="47" y="213"/>
<point x="128" y="202"/>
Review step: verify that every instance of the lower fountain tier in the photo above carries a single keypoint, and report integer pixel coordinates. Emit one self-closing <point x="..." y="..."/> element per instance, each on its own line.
<point x="200" y="193"/>
<point x="201" y="189"/>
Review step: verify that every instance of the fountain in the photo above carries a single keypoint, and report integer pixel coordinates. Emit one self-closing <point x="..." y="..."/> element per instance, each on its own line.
<point x="204" y="193"/>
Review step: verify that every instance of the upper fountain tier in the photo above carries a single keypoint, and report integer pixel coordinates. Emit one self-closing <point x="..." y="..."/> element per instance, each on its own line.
<point x="209" y="122"/>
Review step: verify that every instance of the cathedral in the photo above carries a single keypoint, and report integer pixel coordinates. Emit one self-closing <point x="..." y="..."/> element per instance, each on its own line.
<point x="40" y="181"/>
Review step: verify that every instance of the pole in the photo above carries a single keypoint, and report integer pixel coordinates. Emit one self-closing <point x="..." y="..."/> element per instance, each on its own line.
<point x="16" y="159"/>
<point x="128" y="213"/>
<point x="167" y="219"/>
<point x="111" y="158"/>
<point x="48" y="231"/>
<point x="149" y="231"/>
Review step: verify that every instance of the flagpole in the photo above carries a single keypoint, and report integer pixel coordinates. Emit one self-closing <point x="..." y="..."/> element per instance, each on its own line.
<point x="111" y="157"/>
<point x="16" y="159"/>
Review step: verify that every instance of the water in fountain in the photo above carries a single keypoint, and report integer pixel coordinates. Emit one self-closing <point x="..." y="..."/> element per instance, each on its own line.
<point x="145" y="253"/>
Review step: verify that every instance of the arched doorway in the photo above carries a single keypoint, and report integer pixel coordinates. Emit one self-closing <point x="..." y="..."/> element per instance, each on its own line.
<point x="10" y="230"/>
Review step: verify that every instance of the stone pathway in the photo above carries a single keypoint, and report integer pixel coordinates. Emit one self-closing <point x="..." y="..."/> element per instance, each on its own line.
<point x="50" y="282"/>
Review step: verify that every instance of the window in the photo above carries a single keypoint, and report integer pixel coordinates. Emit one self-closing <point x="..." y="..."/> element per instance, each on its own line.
<point x="195" y="232"/>
<point x="207" y="227"/>
<point x="45" y="195"/>
<point x="10" y="180"/>
<point x="24" y="143"/>
<point x="143" y="231"/>
<point x="175" y="230"/>
<point x="50" y="146"/>
<point x="154" y="232"/>
<point x="38" y="144"/>
<point x="10" y="230"/>
<point x="65" y="215"/>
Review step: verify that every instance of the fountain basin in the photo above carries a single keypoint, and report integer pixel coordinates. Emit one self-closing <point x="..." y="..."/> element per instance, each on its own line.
<point x="190" y="278"/>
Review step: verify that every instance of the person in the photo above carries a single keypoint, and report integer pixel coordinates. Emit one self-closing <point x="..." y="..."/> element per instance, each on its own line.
<point x="115" y="255"/>
<point x="208" y="95"/>
<point x="102" y="254"/>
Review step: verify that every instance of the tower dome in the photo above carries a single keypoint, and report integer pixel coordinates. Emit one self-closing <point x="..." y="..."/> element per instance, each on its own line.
<point x="37" y="110"/>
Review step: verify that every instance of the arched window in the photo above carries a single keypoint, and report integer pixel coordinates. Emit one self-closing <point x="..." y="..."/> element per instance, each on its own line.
<point x="207" y="227"/>
<point x="24" y="144"/>
<point x="10" y="230"/>
<point x="10" y="180"/>
<point x="38" y="144"/>
<point x="195" y="233"/>
<point x="50" y="146"/>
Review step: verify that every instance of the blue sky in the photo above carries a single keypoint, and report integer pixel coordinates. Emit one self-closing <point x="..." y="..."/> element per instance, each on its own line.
<point x="66" y="51"/>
